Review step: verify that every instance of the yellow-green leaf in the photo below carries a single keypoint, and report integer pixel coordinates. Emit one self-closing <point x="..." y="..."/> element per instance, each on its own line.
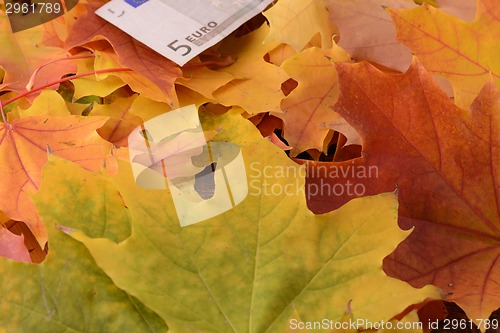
<point x="68" y="292"/>
<point x="249" y="268"/>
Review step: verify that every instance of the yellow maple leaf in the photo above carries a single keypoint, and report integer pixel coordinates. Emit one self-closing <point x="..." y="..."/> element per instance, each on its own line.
<point x="308" y="105"/>
<point x="257" y="84"/>
<point x="466" y="53"/>
<point x="296" y="22"/>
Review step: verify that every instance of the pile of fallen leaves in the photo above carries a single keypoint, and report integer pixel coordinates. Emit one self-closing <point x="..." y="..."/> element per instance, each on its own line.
<point x="390" y="162"/>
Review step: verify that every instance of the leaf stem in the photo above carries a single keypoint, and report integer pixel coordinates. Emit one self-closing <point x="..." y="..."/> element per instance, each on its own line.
<point x="4" y="117"/>
<point x="68" y="78"/>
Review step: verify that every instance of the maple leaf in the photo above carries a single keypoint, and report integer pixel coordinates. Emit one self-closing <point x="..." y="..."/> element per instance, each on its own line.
<point x="249" y="268"/>
<point x="203" y="80"/>
<point x="24" y="147"/>
<point x="296" y="22"/>
<point x="308" y="105"/>
<point x="466" y="57"/>
<point x="25" y="54"/>
<point x="95" y="85"/>
<point x="443" y="161"/>
<point x="257" y="84"/>
<point x="121" y="123"/>
<point x="147" y="109"/>
<point x="268" y="260"/>
<point x="132" y="53"/>
<point x="107" y="59"/>
<point x="198" y="83"/>
<point x="367" y="32"/>
<point x="68" y="292"/>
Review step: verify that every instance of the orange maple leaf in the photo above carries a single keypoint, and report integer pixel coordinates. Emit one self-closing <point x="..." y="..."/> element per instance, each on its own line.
<point x="444" y="163"/>
<point x="132" y="53"/>
<point x="23" y="54"/>
<point x="24" y="147"/>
